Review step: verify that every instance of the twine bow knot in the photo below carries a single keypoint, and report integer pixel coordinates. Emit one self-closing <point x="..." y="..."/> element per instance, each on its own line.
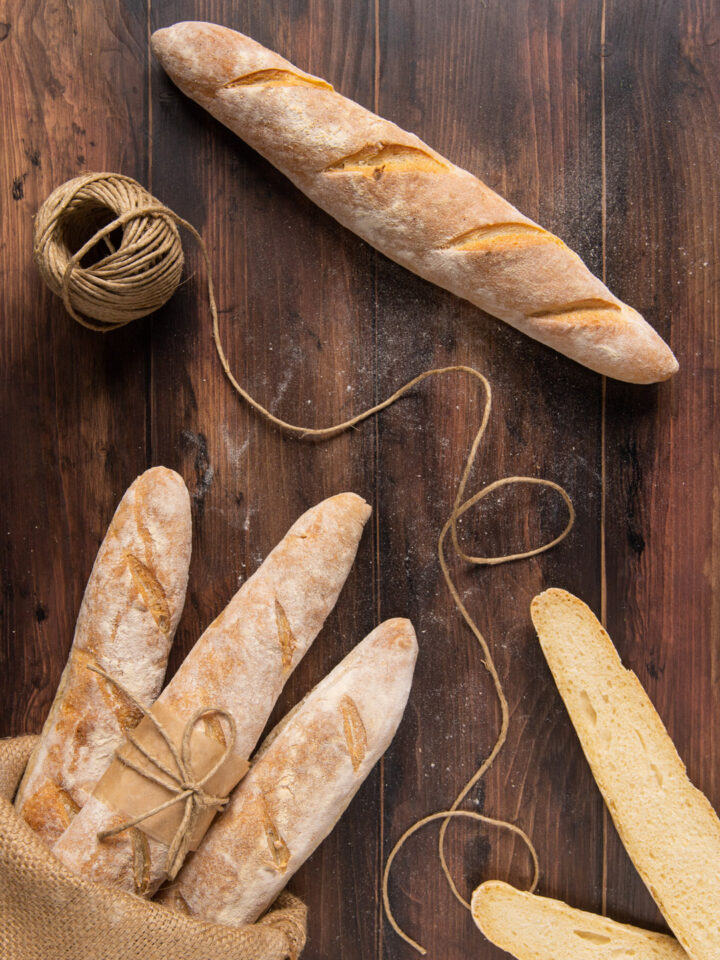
<point x="180" y="782"/>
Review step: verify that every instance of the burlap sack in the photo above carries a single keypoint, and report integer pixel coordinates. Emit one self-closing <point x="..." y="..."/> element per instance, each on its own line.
<point x="47" y="913"/>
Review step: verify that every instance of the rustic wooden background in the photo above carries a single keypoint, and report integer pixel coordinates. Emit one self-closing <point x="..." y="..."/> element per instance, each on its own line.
<point x="599" y="118"/>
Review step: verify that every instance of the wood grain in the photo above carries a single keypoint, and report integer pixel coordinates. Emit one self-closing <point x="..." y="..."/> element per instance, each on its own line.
<point x="73" y="403"/>
<point x="663" y="467"/>
<point x="454" y="86"/>
<point x="317" y="326"/>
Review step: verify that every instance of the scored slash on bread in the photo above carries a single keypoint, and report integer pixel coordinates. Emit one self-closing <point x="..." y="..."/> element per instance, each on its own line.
<point x="301" y="781"/>
<point x="531" y="927"/>
<point x="668" y="827"/>
<point x="126" y="624"/>
<point x="409" y="202"/>
<point x="240" y="664"/>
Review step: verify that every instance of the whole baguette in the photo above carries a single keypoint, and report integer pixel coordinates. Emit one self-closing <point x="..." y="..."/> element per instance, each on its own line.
<point x="301" y="781"/>
<point x="409" y="202"/>
<point x="669" y="828"/>
<point x="239" y="664"/>
<point x="537" y="928"/>
<point x="127" y="620"/>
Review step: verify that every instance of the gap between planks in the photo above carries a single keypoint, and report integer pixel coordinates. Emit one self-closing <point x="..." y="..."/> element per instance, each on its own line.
<point x="603" y="408"/>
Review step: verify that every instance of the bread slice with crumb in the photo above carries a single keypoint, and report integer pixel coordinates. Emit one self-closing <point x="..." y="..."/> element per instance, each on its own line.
<point x="669" y="828"/>
<point x="538" y="928"/>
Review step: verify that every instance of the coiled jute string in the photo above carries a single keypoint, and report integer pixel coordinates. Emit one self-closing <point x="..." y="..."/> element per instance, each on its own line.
<point x="140" y="274"/>
<point x="128" y="282"/>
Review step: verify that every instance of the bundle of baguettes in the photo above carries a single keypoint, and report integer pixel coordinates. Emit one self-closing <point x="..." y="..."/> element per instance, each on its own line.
<point x="409" y="202"/>
<point x="240" y="665"/>
<point x="127" y="620"/>
<point x="668" y="827"/>
<point x="302" y="779"/>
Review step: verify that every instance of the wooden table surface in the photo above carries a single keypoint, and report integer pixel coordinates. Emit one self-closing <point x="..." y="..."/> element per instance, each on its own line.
<point x="597" y="118"/>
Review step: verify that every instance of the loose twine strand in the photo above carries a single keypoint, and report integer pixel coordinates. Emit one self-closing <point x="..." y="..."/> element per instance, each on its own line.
<point x="180" y="782"/>
<point x="141" y="275"/>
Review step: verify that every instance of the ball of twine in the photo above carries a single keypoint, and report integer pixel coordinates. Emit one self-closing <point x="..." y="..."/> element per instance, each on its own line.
<point x="109" y="248"/>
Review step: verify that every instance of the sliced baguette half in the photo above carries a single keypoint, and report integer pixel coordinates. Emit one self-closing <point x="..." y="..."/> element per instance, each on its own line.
<point x="538" y="928"/>
<point x="669" y="828"/>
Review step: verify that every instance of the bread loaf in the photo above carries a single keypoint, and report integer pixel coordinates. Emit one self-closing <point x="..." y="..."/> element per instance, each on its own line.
<point x="240" y="664"/>
<point x="669" y="829"/>
<point x="126" y="624"/>
<point x="301" y="781"/>
<point x="537" y="928"/>
<point x="411" y="203"/>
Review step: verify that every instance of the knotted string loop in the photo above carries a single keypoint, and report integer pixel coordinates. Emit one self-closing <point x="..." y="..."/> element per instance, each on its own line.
<point x="446" y="816"/>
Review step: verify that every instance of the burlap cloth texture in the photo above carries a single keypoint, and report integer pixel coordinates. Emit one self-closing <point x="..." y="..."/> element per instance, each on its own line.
<point x="48" y="913"/>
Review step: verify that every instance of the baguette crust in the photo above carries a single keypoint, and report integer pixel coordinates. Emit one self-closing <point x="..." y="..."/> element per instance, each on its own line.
<point x="240" y="664"/>
<point x="537" y="928"/>
<point x="669" y="828"/>
<point x="127" y="620"/>
<point x="301" y="782"/>
<point x="409" y="202"/>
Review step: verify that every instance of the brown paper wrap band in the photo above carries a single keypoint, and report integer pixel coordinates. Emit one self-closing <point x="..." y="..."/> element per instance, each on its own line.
<point x="132" y="793"/>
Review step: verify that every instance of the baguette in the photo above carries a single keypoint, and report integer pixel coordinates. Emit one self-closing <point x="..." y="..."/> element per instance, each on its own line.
<point x="127" y="620"/>
<point x="669" y="828"/>
<point x="537" y="928"/>
<point x="301" y="781"/>
<point x="240" y="664"/>
<point x="409" y="202"/>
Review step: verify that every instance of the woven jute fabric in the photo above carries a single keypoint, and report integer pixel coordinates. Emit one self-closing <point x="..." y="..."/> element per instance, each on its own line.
<point x="48" y="913"/>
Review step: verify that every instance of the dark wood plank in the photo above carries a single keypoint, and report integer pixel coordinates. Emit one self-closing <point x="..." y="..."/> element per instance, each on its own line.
<point x="73" y="402"/>
<point x="297" y="302"/>
<point x="512" y="92"/>
<point x="662" y="92"/>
